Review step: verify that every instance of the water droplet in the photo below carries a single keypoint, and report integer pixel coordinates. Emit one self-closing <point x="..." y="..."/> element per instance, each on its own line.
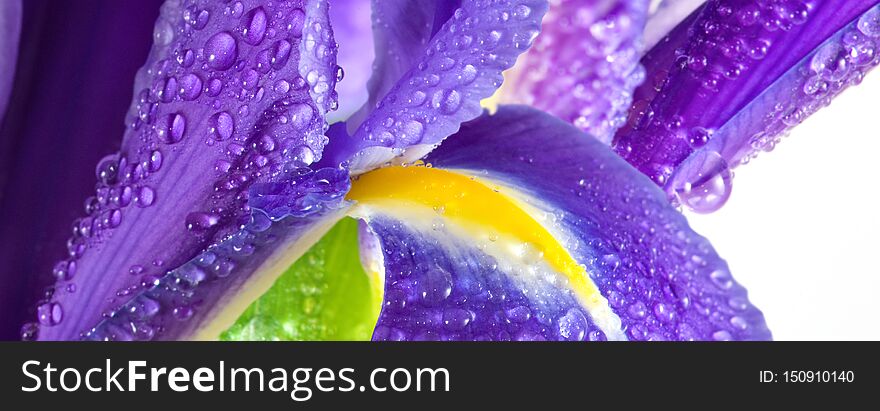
<point x="280" y="53"/>
<point x="222" y="50"/>
<point x="221" y="126"/>
<point x="163" y="33"/>
<point x="721" y="335"/>
<point x="637" y="310"/>
<point x="448" y="101"/>
<point x="869" y="23"/>
<point x="435" y="286"/>
<point x="146" y="197"/>
<point x="702" y="182"/>
<point x="190" y="87"/>
<point x="215" y="86"/>
<point x="721" y="278"/>
<point x="256" y="26"/>
<point x="50" y="313"/>
<point x="29" y="331"/>
<point x="468" y="75"/>
<point x="199" y="223"/>
<point x="175" y="127"/>
<point x="573" y="325"/>
<point x="183" y="312"/>
<point x="518" y="314"/>
<point x="455" y="319"/>
<point x="107" y="170"/>
<point x="154" y="163"/>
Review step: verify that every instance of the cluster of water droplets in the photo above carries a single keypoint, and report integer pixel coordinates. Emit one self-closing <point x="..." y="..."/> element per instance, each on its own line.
<point x="242" y="86"/>
<point x="584" y="65"/>
<point x="703" y="181"/>
<point x="174" y="304"/>
<point x="840" y="62"/>
<point x="664" y="281"/>
<point x="461" y="65"/>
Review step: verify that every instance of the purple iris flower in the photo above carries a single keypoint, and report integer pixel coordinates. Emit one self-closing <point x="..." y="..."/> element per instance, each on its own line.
<point x="546" y="217"/>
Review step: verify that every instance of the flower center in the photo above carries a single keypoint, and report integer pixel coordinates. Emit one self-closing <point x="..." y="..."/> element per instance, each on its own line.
<point x="485" y="212"/>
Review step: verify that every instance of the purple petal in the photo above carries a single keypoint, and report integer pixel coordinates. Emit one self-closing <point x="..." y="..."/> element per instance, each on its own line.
<point x="461" y="65"/>
<point x="437" y="291"/>
<point x="52" y="79"/>
<point x="401" y="30"/>
<point x="231" y="94"/>
<point x="585" y="64"/>
<point x="10" y="28"/>
<point x="659" y="278"/>
<point x="764" y="68"/>
<point x="205" y="296"/>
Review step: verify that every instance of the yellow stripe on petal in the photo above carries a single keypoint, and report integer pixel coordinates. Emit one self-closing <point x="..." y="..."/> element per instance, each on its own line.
<point x="482" y="210"/>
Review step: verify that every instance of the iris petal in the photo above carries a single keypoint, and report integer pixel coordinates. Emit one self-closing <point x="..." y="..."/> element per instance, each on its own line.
<point x="639" y="272"/>
<point x="767" y="67"/>
<point x="584" y="65"/>
<point x="401" y="29"/>
<point x="459" y="66"/>
<point x="10" y="28"/>
<point x="231" y="95"/>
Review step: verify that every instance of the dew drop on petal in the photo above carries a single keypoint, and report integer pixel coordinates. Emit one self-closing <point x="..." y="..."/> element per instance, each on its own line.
<point x="50" y="313"/>
<point x="255" y="26"/>
<point x="190" y="87"/>
<point x="221" y="126"/>
<point x="703" y="182"/>
<point x="222" y="50"/>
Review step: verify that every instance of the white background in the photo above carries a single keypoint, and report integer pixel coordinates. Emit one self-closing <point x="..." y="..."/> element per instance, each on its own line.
<point x="801" y="229"/>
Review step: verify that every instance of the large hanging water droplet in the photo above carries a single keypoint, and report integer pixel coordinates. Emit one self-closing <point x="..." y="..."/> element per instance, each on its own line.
<point x="702" y="182"/>
<point x="222" y="50"/>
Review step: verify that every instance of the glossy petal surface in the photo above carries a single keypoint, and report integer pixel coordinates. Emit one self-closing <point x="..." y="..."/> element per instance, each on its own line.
<point x="459" y="66"/>
<point x="584" y="64"/>
<point x="231" y="94"/>
<point x="657" y="278"/>
<point x="736" y="57"/>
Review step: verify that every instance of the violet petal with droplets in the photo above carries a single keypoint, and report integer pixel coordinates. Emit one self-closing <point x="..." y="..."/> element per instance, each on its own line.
<point x="647" y="276"/>
<point x="211" y="116"/>
<point x="458" y="67"/>
<point x="751" y="69"/>
<point x="584" y="65"/>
